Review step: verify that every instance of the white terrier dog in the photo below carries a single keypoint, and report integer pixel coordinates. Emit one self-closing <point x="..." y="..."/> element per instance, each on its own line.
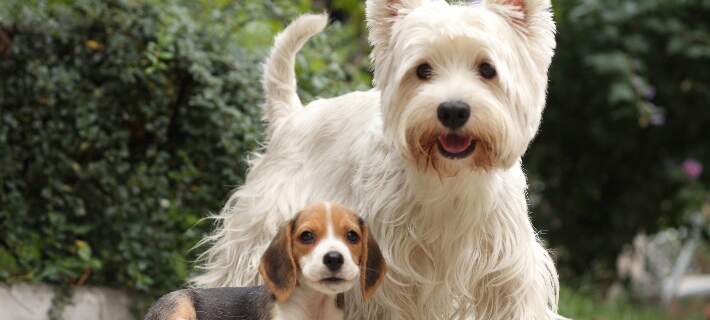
<point x="430" y="158"/>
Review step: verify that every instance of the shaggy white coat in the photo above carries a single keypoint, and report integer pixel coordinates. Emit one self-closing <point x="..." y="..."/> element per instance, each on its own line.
<point x="455" y="232"/>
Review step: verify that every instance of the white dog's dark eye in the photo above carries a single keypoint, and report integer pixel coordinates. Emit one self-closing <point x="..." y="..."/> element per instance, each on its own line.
<point x="487" y="71"/>
<point x="307" y="237"/>
<point x="352" y="236"/>
<point x="424" y="71"/>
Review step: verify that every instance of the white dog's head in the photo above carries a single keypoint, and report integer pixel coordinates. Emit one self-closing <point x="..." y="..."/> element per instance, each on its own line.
<point x="463" y="86"/>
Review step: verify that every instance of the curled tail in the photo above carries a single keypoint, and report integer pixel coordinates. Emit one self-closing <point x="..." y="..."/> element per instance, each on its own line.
<point x="279" y="71"/>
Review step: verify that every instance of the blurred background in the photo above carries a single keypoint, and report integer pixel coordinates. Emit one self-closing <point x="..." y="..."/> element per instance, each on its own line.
<point x="124" y="123"/>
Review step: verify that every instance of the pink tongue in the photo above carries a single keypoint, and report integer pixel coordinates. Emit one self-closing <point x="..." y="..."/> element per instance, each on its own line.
<point x="454" y="143"/>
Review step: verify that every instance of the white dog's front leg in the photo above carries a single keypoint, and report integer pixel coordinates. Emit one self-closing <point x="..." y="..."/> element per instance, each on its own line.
<point x="526" y="289"/>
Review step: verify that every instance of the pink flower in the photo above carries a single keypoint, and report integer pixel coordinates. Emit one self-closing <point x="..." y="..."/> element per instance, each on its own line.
<point x="692" y="168"/>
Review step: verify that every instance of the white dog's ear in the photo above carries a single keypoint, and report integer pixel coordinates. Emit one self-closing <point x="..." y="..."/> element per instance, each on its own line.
<point x="381" y="17"/>
<point x="530" y="16"/>
<point x="534" y="22"/>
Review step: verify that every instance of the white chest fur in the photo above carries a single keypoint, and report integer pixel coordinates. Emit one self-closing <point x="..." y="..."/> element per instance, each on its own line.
<point x="307" y="304"/>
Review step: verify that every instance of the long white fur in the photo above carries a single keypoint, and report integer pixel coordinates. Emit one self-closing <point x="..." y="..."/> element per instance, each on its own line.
<point x="458" y="244"/>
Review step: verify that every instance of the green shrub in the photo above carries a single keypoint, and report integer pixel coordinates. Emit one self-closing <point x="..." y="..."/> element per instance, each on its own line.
<point x="627" y="107"/>
<point x="123" y="123"/>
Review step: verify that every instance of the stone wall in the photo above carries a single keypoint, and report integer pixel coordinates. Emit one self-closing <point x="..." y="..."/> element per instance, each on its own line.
<point x="32" y="302"/>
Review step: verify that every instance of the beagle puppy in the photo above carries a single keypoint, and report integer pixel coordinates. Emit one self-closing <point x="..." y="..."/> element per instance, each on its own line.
<point x="313" y="259"/>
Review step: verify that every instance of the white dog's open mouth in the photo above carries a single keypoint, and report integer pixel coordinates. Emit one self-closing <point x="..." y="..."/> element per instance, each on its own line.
<point x="455" y="146"/>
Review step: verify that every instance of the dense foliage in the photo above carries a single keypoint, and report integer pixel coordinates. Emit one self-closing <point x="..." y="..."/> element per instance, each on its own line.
<point x="122" y="123"/>
<point x="627" y="117"/>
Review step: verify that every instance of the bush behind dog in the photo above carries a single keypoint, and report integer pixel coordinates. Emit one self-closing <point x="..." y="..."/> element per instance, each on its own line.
<point x="123" y="123"/>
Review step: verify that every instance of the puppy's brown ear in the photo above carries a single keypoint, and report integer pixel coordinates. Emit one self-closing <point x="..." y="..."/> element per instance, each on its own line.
<point x="372" y="264"/>
<point x="278" y="268"/>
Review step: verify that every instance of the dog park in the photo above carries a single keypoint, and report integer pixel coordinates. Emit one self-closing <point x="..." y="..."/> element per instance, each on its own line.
<point x="345" y="159"/>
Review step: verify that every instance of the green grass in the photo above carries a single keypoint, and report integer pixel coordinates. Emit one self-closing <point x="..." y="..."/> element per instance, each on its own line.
<point x="587" y="305"/>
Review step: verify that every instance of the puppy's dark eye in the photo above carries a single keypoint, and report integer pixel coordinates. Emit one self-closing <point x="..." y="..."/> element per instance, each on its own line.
<point x="487" y="71"/>
<point x="307" y="237"/>
<point x="352" y="236"/>
<point x="424" y="71"/>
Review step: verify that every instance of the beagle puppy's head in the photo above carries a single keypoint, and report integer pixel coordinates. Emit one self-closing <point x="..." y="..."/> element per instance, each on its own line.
<point x="325" y="247"/>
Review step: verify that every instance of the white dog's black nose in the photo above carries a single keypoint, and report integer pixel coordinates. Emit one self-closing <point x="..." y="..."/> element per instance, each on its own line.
<point x="333" y="260"/>
<point x="453" y="114"/>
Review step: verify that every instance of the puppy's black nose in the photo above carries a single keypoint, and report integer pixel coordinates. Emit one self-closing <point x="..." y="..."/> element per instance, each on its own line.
<point x="453" y="114"/>
<point x="333" y="260"/>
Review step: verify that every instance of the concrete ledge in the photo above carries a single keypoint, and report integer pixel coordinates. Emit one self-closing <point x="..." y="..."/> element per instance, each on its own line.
<point x="32" y="302"/>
